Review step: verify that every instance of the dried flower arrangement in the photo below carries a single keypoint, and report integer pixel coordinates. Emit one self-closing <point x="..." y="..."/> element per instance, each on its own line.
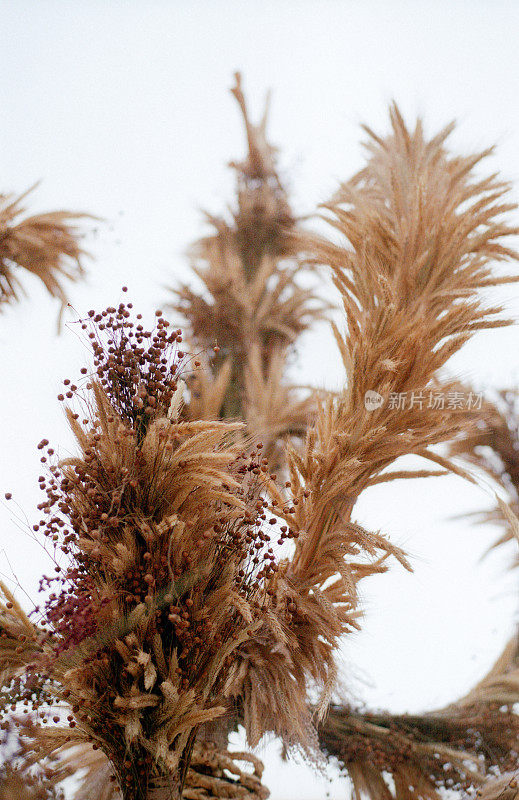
<point x="207" y="560"/>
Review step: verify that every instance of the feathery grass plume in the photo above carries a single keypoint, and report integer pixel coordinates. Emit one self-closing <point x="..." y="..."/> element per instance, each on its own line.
<point x="273" y="408"/>
<point x="20" y="643"/>
<point x="420" y="232"/>
<point x="492" y="445"/>
<point x="251" y="305"/>
<point x="47" y="245"/>
<point x="457" y="747"/>
<point x="245" y="264"/>
<point x="20" y="639"/>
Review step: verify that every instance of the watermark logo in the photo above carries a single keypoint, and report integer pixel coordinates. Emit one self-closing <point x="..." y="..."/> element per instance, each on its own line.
<point x="420" y="400"/>
<point x="373" y="400"/>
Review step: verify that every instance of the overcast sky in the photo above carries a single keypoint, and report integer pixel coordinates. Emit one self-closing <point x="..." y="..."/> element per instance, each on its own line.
<point x="122" y="109"/>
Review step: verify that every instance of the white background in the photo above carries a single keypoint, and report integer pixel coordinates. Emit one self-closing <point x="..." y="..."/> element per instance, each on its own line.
<point x="121" y="109"/>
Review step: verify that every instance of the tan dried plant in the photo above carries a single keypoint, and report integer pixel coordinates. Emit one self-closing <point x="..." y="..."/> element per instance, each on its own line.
<point x="419" y="251"/>
<point x="420" y="234"/>
<point x="157" y="519"/>
<point x="47" y="245"/>
<point x="456" y="747"/>
<point x="416" y="240"/>
<point x="195" y="586"/>
<point x="253" y="305"/>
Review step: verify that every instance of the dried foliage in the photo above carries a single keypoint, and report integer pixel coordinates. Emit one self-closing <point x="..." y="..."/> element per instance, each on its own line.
<point x="248" y="265"/>
<point x="46" y="245"/>
<point x="194" y="584"/>
<point x="455" y="747"/>
<point x="253" y="304"/>
<point x="410" y="214"/>
<point x="167" y="569"/>
<point x="212" y="772"/>
<point x="422" y="233"/>
<point x="19" y="779"/>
